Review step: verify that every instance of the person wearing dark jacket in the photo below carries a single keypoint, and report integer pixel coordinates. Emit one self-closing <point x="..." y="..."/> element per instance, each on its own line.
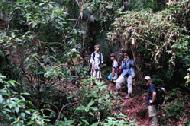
<point x="151" y="101"/>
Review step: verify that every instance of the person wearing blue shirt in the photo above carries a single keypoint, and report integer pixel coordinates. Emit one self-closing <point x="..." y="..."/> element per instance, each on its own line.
<point x="127" y="67"/>
<point x="151" y="101"/>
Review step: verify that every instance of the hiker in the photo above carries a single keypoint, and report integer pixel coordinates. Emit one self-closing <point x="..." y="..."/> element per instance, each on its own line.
<point x="96" y="60"/>
<point x="114" y="74"/>
<point x="119" y="60"/>
<point x="128" y="74"/>
<point x="151" y="99"/>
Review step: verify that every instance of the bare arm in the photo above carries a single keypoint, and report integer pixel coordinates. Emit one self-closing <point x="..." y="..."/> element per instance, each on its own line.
<point x="153" y="97"/>
<point x="91" y="58"/>
<point x="102" y="58"/>
<point x="113" y="71"/>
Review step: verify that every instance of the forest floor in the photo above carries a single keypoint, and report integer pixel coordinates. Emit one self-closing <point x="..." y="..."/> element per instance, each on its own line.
<point x="136" y="108"/>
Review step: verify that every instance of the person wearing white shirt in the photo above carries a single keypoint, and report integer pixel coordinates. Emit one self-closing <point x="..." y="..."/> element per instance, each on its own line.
<point x="114" y="74"/>
<point x="96" y="60"/>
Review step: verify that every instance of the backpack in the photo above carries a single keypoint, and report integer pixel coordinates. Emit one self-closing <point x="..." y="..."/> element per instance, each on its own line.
<point x="160" y="95"/>
<point x="99" y="59"/>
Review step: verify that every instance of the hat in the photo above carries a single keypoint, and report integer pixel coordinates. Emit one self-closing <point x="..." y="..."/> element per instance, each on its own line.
<point x="97" y="46"/>
<point x="147" y="78"/>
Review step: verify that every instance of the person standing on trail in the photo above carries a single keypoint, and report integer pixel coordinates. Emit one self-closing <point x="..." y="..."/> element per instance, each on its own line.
<point x="119" y="60"/>
<point x="96" y="61"/>
<point x="151" y="99"/>
<point x="127" y="67"/>
<point x="114" y="74"/>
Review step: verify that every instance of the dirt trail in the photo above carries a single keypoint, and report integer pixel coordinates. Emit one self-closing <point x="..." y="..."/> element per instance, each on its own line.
<point x="135" y="108"/>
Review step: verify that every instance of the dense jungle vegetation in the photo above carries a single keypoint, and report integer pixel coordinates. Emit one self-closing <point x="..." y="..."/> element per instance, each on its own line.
<point x="44" y="59"/>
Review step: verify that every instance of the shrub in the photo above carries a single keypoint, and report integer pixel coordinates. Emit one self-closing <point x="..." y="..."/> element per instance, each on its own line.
<point x="157" y="41"/>
<point x="175" y="109"/>
<point x="95" y="102"/>
<point x="15" y="109"/>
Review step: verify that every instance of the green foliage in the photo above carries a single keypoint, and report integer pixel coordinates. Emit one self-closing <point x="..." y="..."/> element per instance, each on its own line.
<point x="93" y="107"/>
<point x="42" y="38"/>
<point x="175" y="106"/>
<point x="65" y="122"/>
<point x="95" y="102"/>
<point x="175" y="109"/>
<point x="187" y="124"/>
<point x="160" y="44"/>
<point x="154" y="5"/>
<point x="182" y="48"/>
<point x="14" y="106"/>
<point x="7" y="68"/>
<point x="102" y="10"/>
<point x="118" y="120"/>
<point x="40" y="23"/>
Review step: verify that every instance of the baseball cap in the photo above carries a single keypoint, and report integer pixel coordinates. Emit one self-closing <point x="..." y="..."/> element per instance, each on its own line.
<point x="147" y="78"/>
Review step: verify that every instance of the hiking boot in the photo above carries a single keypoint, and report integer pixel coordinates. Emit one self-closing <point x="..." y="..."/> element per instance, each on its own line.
<point x="127" y="96"/>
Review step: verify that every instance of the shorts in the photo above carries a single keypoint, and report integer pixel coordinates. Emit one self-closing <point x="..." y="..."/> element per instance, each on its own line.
<point x="152" y="111"/>
<point x="96" y="74"/>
